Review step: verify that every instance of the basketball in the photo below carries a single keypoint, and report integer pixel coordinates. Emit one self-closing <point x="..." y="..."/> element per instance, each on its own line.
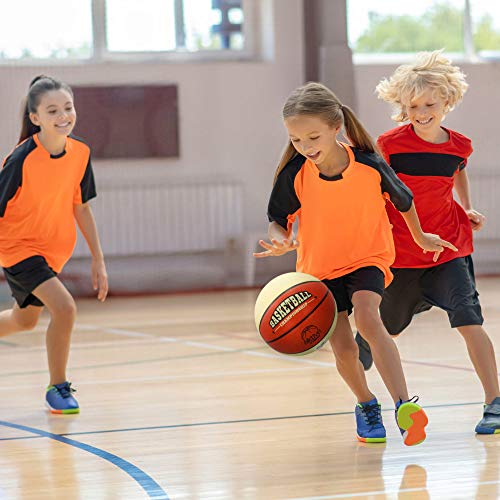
<point x="295" y="313"/>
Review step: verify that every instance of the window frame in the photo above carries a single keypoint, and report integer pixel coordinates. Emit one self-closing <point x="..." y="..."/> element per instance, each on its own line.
<point x="101" y="54"/>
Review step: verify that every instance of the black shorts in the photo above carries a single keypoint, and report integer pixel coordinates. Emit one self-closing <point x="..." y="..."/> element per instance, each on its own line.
<point x="450" y="286"/>
<point x="25" y="276"/>
<point x="369" y="278"/>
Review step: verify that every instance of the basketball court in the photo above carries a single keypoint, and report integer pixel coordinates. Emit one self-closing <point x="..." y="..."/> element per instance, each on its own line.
<point x="181" y="399"/>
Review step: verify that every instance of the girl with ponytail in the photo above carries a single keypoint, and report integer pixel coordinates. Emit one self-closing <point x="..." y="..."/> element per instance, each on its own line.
<point x="45" y="186"/>
<point x="337" y="192"/>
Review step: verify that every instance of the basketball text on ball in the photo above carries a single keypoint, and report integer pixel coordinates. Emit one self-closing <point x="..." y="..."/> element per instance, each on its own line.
<point x="287" y="306"/>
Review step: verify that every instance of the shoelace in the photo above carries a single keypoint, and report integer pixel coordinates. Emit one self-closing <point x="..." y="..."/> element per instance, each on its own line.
<point x="414" y="399"/>
<point x="66" y="390"/>
<point x="371" y="414"/>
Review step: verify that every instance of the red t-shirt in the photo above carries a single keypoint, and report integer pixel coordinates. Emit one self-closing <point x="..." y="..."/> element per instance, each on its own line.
<point x="428" y="170"/>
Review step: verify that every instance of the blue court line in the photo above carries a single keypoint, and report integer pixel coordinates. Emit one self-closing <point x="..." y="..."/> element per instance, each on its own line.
<point x="146" y="482"/>
<point x="226" y="422"/>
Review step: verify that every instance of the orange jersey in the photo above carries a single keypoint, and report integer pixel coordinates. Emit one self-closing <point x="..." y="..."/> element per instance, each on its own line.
<point x="342" y="222"/>
<point x="37" y="194"/>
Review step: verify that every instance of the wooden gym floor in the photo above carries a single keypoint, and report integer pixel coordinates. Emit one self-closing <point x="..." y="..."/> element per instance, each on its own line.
<point x="181" y="399"/>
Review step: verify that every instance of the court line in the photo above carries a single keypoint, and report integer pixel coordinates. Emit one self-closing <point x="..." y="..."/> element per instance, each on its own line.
<point x="145" y="481"/>
<point x="237" y="373"/>
<point x="229" y="422"/>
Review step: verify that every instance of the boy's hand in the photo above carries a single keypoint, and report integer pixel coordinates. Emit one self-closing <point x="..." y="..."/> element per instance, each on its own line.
<point x="276" y="247"/>
<point x="477" y="219"/>
<point x="99" y="278"/>
<point x="433" y="243"/>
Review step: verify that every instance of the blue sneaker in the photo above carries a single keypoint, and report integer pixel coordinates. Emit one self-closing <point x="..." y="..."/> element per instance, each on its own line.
<point x="490" y="423"/>
<point x="60" y="400"/>
<point x="369" y="426"/>
<point x="411" y="420"/>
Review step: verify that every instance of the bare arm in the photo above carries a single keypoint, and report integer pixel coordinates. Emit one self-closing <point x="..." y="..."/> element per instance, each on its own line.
<point x="86" y="222"/>
<point x="462" y="189"/>
<point x="427" y="241"/>
<point x="282" y="241"/>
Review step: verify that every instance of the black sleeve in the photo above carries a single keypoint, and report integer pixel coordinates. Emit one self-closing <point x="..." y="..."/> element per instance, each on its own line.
<point x="398" y="192"/>
<point x="11" y="179"/>
<point x="87" y="185"/>
<point x="284" y="201"/>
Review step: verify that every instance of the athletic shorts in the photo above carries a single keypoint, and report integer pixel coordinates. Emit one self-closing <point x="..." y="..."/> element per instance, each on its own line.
<point x="25" y="276"/>
<point x="368" y="278"/>
<point x="451" y="286"/>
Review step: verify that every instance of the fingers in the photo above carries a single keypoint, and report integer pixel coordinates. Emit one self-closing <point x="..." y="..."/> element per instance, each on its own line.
<point x="447" y="244"/>
<point x="103" y="288"/>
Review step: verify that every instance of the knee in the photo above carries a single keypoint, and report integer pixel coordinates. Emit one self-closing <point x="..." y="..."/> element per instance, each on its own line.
<point x="26" y="323"/>
<point x="65" y="310"/>
<point x="346" y="351"/>
<point x="367" y="320"/>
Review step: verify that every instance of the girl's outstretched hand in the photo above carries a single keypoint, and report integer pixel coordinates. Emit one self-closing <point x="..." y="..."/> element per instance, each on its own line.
<point x="99" y="278"/>
<point x="477" y="219"/>
<point x="433" y="243"/>
<point x="276" y="247"/>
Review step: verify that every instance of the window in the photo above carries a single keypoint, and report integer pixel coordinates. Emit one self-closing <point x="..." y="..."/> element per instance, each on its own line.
<point x="32" y="30"/>
<point x="107" y="29"/>
<point x="459" y="26"/>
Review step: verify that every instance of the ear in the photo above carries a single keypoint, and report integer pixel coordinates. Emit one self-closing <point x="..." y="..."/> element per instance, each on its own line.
<point x="34" y="119"/>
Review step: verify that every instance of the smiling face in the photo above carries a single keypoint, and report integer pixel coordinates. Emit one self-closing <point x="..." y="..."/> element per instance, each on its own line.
<point x="55" y="114"/>
<point x="313" y="138"/>
<point x="426" y="112"/>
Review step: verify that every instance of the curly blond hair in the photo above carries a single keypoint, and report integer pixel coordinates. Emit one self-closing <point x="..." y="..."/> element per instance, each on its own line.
<point x="430" y="70"/>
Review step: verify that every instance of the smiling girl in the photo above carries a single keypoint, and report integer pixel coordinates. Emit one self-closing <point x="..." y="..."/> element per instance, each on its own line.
<point x="45" y="184"/>
<point x="337" y="192"/>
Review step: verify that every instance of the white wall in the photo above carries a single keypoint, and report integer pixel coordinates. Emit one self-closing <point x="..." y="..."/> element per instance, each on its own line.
<point x="476" y="117"/>
<point x="229" y="112"/>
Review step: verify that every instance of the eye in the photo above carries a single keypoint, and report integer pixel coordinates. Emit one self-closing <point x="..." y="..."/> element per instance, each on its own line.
<point x="52" y="111"/>
<point x="314" y="138"/>
<point x="430" y="105"/>
<point x="294" y="140"/>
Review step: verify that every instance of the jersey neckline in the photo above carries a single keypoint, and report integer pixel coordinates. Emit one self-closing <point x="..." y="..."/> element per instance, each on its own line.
<point x="41" y="146"/>
<point x="341" y="175"/>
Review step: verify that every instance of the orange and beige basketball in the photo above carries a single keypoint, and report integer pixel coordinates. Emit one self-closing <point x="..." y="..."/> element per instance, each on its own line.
<point x="295" y="313"/>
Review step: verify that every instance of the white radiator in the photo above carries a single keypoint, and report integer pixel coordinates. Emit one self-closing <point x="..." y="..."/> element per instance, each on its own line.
<point x="485" y="189"/>
<point x="165" y="218"/>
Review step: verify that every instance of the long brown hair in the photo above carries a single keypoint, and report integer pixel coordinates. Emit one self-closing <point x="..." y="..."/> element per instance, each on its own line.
<point x="38" y="87"/>
<point x="315" y="99"/>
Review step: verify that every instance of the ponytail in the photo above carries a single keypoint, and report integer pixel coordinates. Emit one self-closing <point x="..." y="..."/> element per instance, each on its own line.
<point x="288" y="154"/>
<point x="356" y="132"/>
<point x="38" y="86"/>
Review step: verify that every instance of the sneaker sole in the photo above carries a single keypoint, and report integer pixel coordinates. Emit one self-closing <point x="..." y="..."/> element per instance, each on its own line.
<point x="486" y="430"/>
<point x="71" y="411"/>
<point x="412" y="419"/>
<point x="371" y="440"/>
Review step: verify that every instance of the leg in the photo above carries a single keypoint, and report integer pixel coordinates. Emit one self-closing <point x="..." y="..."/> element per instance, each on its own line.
<point x="18" y="320"/>
<point x="385" y="352"/>
<point x="482" y="355"/>
<point x="401" y="300"/>
<point x="369" y="426"/>
<point x="346" y="357"/>
<point x="62" y="309"/>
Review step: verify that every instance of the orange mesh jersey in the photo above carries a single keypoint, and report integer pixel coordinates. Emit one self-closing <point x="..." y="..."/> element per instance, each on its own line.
<point x="342" y="221"/>
<point x="37" y="194"/>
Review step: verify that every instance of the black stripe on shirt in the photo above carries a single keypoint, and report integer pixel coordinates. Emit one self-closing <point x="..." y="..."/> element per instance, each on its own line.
<point x="428" y="164"/>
